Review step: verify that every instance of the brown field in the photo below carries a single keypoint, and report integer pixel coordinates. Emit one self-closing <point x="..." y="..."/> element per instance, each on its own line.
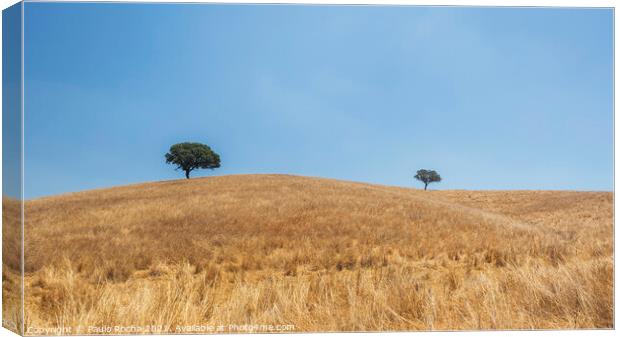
<point x="316" y="254"/>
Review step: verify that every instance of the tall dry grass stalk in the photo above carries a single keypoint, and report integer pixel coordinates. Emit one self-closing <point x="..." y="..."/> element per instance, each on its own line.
<point x="317" y="255"/>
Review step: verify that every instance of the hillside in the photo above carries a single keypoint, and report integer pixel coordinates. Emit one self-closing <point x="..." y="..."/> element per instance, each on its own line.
<point x="319" y="254"/>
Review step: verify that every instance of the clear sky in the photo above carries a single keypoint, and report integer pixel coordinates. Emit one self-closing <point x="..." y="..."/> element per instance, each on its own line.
<point x="492" y="98"/>
<point x="11" y="101"/>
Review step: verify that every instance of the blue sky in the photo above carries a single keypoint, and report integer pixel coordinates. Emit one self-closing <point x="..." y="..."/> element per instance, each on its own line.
<point x="11" y="101"/>
<point x="492" y="98"/>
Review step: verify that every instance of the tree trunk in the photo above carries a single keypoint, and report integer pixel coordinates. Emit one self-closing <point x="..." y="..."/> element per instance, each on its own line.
<point x="187" y="174"/>
<point x="425" y="186"/>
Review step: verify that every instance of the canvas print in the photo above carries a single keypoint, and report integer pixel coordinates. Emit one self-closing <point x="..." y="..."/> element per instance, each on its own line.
<point x="242" y="168"/>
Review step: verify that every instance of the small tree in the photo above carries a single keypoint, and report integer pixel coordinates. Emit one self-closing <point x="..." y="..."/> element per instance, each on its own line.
<point x="191" y="156"/>
<point x="427" y="177"/>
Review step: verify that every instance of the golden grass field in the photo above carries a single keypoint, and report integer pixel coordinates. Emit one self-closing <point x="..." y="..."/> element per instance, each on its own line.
<point x="312" y="254"/>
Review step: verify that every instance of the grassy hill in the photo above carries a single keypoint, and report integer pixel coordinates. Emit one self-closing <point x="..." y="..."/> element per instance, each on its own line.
<point x="319" y="254"/>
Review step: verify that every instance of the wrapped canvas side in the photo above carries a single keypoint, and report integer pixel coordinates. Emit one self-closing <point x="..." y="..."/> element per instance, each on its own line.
<point x="12" y="176"/>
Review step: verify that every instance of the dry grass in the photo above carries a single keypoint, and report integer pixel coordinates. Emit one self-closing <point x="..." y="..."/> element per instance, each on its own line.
<point x="319" y="254"/>
<point x="11" y="264"/>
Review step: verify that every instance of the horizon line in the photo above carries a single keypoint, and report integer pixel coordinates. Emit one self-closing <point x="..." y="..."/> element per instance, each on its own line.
<point x="311" y="177"/>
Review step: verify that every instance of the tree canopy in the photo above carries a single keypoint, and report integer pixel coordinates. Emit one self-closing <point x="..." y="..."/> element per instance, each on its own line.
<point x="427" y="177"/>
<point x="190" y="156"/>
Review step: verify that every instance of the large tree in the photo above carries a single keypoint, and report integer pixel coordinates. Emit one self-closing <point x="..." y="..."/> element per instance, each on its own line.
<point x="427" y="177"/>
<point x="191" y="156"/>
